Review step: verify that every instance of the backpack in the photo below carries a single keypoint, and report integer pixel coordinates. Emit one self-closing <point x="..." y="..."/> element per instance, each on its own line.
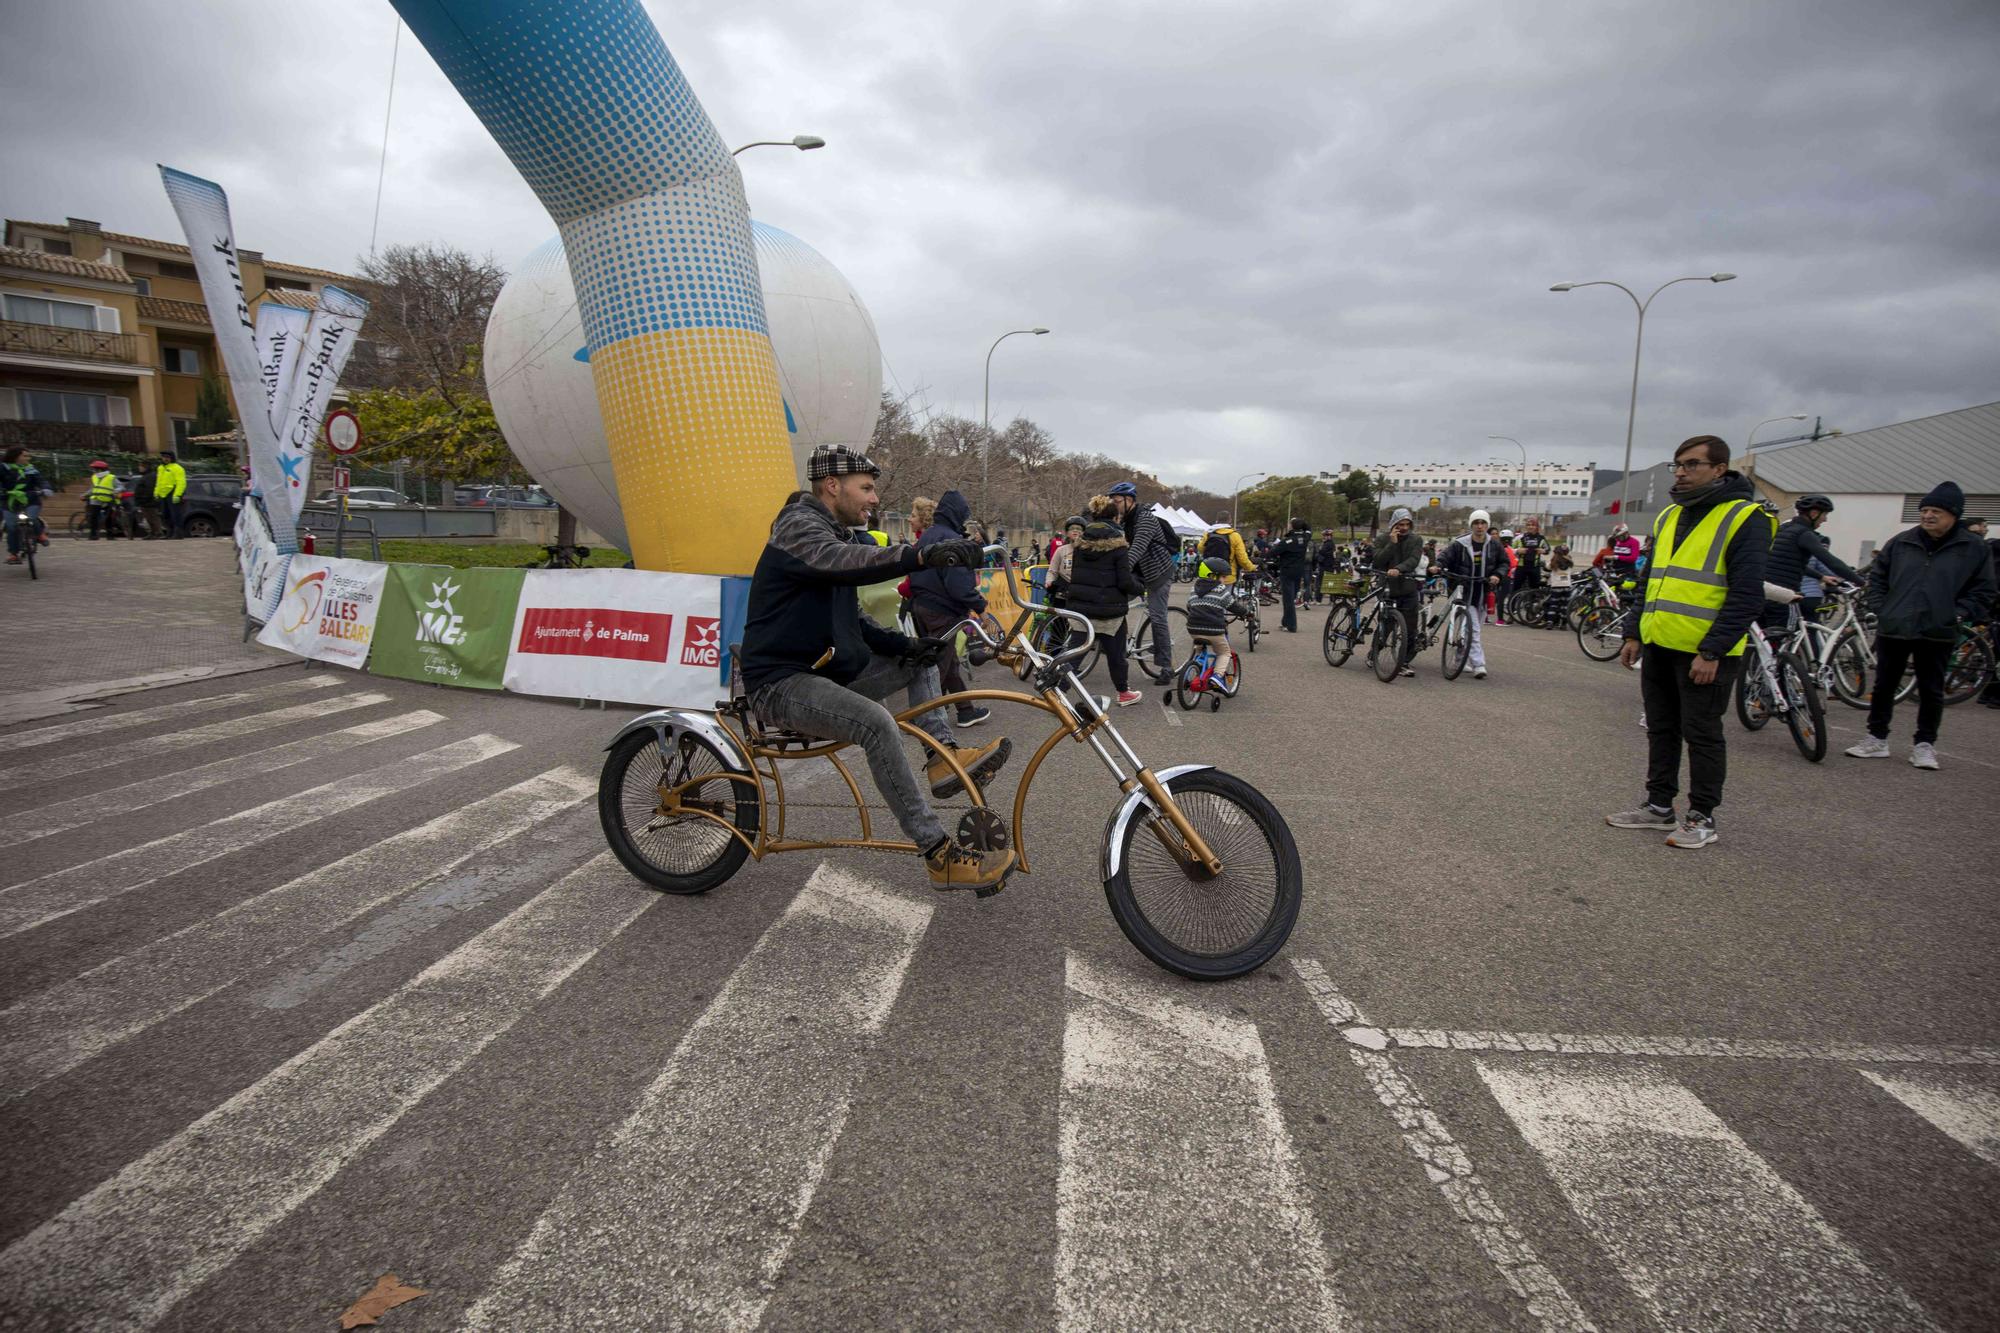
<point x="1216" y="546"/>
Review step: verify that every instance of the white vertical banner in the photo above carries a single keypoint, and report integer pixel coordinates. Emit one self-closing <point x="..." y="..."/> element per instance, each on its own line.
<point x="203" y="210"/>
<point x="329" y="342"/>
<point x="281" y="334"/>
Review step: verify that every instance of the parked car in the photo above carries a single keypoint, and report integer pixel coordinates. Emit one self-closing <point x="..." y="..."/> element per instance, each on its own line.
<point x="366" y="497"/>
<point x="209" y="507"/>
<point x="503" y="497"/>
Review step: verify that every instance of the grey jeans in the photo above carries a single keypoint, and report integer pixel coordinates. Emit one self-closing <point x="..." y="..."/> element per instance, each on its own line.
<point x="815" y="706"/>
<point x="1156" y="613"/>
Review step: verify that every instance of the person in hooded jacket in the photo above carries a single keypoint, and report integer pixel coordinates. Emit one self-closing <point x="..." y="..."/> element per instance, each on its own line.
<point x="1398" y="552"/>
<point x="1701" y="586"/>
<point x="1923" y="582"/>
<point x="1474" y="564"/>
<point x="940" y="598"/>
<point x="1101" y="585"/>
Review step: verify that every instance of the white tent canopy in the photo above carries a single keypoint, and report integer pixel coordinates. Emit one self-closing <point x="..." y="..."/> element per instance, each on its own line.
<point x="1183" y="521"/>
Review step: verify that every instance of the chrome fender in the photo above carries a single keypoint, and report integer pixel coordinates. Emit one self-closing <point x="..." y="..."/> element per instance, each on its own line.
<point x="1114" y="830"/>
<point x="667" y="723"/>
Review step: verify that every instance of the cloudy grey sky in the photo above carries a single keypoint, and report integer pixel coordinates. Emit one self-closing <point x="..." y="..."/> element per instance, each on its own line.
<point x="1277" y="235"/>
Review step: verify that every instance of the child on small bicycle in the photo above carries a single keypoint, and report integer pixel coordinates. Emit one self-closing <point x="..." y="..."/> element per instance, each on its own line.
<point x="1208" y="626"/>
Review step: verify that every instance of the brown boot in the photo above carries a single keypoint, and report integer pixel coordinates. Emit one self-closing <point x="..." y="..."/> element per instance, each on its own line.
<point x="957" y="867"/>
<point x="981" y="762"/>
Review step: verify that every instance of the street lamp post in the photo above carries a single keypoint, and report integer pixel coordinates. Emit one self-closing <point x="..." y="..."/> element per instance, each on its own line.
<point x="805" y="143"/>
<point x="1632" y="411"/>
<point x="1236" y="499"/>
<point x="1521" y="491"/>
<point x="1750" y="440"/>
<point x="986" y="419"/>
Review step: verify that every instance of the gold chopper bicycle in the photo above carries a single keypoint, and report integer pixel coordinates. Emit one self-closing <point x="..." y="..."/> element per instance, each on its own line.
<point x="1200" y="870"/>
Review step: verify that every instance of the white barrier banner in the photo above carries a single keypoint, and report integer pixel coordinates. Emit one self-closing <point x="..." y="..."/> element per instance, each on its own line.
<point x="261" y="563"/>
<point x="281" y="334"/>
<point x="329" y="341"/>
<point x="203" y="210"/>
<point x="327" y="609"/>
<point x="630" y="636"/>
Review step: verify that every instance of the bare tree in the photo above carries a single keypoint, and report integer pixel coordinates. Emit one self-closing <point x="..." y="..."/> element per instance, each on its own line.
<point x="426" y="320"/>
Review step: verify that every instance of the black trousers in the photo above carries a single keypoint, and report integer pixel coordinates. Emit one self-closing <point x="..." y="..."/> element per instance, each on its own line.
<point x="1680" y="712"/>
<point x="1928" y="657"/>
<point x="1406" y="606"/>
<point x="1114" y="659"/>
<point x="1288" y="588"/>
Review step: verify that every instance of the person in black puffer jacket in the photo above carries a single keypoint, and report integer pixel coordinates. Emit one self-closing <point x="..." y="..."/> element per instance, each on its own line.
<point x="940" y="598"/>
<point x="1102" y="585"/>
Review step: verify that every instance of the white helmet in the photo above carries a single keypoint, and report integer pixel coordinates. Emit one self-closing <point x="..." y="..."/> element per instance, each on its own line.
<point x="1479" y="516"/>
<point x="1506" y="532"/>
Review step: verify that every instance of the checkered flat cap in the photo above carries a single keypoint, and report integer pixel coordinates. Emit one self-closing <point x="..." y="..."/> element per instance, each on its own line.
<point x="837" y="460"/>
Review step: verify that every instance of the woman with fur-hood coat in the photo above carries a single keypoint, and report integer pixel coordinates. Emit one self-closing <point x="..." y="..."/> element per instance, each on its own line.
<point x="1102" y="584"/>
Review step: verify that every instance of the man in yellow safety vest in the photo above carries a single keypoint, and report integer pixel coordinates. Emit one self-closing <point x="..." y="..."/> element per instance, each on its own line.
<point x="170" y="484"/>
<point x="102" y="499"/>
<point x="1702" y="587"/>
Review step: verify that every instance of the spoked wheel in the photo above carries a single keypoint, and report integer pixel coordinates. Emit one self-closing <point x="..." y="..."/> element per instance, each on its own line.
<point x="1342" y="627"/>
<point x="1140" y="647"/>
<point x="661" y="839"/>
<point x="1056" y="635"/>
<point x="1185" y="692"/>
<point x="1457" y="642"/>
<point x="1598" y="633"/>
<point x="1966" y="671"/>
<point x="1208" y="927"/>
<point x="1386" y="653"/>
<point x="1251" y="631"/>
<point x="1848" y="663"/>
<point x="1753" y="696"/>
<point x="1804" y="713"/>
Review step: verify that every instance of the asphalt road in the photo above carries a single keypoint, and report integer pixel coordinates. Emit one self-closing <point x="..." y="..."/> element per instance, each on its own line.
<point x="330" y="978"/>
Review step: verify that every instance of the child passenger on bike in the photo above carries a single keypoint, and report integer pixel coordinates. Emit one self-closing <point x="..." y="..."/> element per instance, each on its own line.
<point x="1208" y="623"/>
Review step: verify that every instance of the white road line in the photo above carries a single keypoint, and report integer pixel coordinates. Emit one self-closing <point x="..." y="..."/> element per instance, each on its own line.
<point x="1706" y="1234"/>
<point x="122" y="1255"/>
<point x="48" y="897"/>
<point x="1178" y="1202"/>
<point x="63" y="816"/>
<point x="108" y="754"/>
<point x="1448" y="1166"/>
<point x="1173" y="718"/>
<point x="53" y="1031"/>
<point x="685" y="1215"/>
<point x="1967" y="1110"/>
<point x="99" y="723"/>
<point x="1732" y="1048"/>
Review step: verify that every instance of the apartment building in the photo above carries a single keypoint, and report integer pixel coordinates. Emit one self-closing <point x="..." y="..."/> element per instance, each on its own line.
<point x="104" y="340"/>
<point x="1545" y="489"/>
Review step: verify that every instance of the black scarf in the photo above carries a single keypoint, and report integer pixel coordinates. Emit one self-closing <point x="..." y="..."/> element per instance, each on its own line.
<point x="1696" y="495"/>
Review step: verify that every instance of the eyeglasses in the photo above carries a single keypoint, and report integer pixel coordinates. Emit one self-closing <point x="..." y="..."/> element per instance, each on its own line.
<point x="1690" y="465"/>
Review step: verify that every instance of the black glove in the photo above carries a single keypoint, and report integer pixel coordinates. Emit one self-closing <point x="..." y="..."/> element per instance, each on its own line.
<point x="945" y="555"/>
<point x="924" y="652"/>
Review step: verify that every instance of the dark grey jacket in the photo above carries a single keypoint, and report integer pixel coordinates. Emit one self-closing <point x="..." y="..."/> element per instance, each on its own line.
<point x="1797" y="545"/>
<point x="802" y="599"/>
<point x="1154" y="547"/>
<point x="1921" y="590"/>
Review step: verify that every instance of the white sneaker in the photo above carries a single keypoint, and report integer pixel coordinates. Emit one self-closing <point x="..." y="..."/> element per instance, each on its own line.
<point x="1479" y="673"/>
<point x="1642" y="719"/>
<point x="1870" y="747"/>
<point x="1922" y="755"/>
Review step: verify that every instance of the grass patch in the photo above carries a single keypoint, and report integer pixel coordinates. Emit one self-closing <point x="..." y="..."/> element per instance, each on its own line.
<point x="466" y="555"/>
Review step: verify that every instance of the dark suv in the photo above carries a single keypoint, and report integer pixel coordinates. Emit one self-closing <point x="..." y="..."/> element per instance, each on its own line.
<point x="209" y="507"/>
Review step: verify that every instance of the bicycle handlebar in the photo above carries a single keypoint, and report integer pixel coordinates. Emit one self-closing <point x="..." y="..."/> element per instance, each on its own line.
<point x="1063" y="658"/>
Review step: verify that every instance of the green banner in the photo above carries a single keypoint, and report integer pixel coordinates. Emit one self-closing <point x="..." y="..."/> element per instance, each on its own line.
<point x="447" y="626"/>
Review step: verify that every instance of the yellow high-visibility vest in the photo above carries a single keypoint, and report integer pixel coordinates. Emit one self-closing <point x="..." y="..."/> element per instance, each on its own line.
<point x="103" y="487"/>
<point x="1687" y="583"/>
<point x="876" y="535"/>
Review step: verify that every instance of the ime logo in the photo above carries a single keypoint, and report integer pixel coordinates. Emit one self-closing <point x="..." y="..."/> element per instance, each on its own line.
<point x="701" y="644"/>
<point x="437" y="622"/>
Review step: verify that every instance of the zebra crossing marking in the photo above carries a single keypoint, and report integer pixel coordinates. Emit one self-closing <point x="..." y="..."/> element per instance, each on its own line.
<point x="1705" y="1232"/>
<point x="49" y="820"/>
<point x="54" y="1030"/>
<point x="1448" y="1165"/>
<point x="125" y="1253"/>
<point x="1966" y="1110"/>
<point x="88" y="760"/>
<point x="684" y="1216"/>
<point x="1178" y="1201"/>
<point x="1734" y="1048"/>
<point x="49" y="897"/>
<point x="99" y="723"/>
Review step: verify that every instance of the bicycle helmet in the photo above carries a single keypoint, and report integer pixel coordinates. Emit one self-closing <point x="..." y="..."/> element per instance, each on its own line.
<point x="1620" y="530"/>
<point x="1075" y="521"/>
<point x="1506" y="532"/>
<point x="97" y="463"/>
<point x="1819" y="502"/>
<point x="1124" y="488"/>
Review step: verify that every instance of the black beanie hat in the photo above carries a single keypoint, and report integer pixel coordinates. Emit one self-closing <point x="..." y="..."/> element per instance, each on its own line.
<point x="1945" y="495"/>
